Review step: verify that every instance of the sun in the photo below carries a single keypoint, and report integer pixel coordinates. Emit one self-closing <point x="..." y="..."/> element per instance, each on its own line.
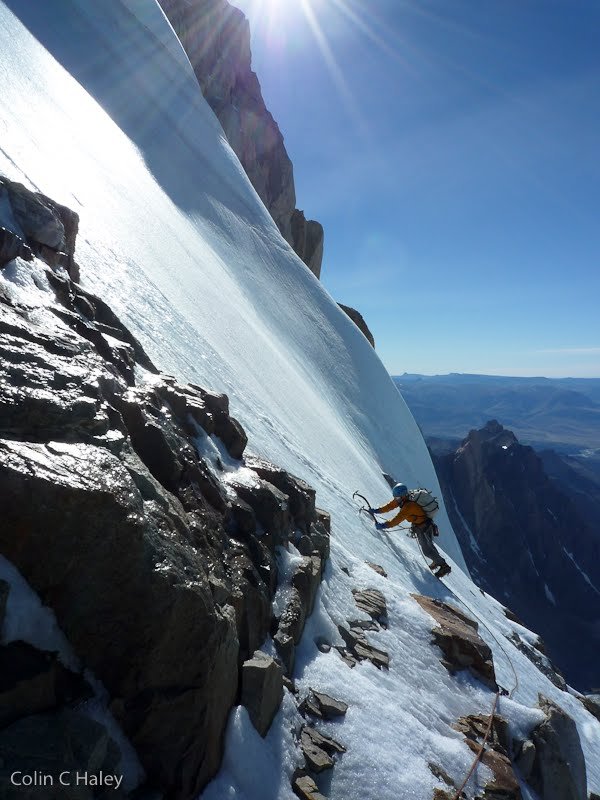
<point x="292" y="25"/>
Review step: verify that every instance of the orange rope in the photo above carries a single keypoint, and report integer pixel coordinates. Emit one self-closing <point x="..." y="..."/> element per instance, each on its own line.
<point x="481" y="749"/>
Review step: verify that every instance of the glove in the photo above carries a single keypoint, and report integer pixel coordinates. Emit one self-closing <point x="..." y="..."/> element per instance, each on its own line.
<point x="371" y="511"/>
<point x="380" y="525"/>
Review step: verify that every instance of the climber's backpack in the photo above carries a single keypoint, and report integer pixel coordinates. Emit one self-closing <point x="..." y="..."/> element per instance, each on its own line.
<point x="426" y="500"/>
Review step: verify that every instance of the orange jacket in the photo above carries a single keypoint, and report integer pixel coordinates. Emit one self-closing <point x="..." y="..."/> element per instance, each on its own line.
<point x="409" y="511"/>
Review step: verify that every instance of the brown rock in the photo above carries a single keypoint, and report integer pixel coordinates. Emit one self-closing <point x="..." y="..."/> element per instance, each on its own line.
<point x="378" y="569"/>
<point x="372" y="602"/>
<point x="262" y="690"/>
<point x="316" y="758"/>
<point x="358" y="649"/>
<point x="216" y="38"/>
<point x="304" y="787"/>
<point x="326" y="743"/>
<point x="329" y="707"/>
<point x="458" y="639"/>
<point x="504" y="784"/>
<point x="306" y="580"/>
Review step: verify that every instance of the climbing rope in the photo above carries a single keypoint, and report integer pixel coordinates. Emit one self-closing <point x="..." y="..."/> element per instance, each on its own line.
<point x="479" y="754"/>
<point x="494" y="637"/>
<point x="488" y="629"/>
<point x="481" y="749"/>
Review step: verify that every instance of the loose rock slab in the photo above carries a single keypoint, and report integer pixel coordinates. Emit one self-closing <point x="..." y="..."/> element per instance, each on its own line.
<point x="305" y="788"/>
<point x="459" y="641"/>
<point x="323" y="706"/>
<point x="372" y="602"/>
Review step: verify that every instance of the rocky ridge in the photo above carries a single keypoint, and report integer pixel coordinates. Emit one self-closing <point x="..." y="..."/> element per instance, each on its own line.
<point x="159" y="539"/>
<point x="527" y="544"/>
<point x="156" y="527"/>
<point x="216" y="38"/>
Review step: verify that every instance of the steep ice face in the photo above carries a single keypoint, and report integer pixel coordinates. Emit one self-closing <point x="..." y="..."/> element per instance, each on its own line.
<point x="102" y="113"/>
<point x="175" y="238"/>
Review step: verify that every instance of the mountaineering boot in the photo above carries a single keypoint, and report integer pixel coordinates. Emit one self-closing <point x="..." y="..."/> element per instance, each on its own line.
<point x="443" y="570"/>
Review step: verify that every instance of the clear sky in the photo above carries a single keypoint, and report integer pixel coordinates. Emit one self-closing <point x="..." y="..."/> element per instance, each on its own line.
<point x="451" y="150"/>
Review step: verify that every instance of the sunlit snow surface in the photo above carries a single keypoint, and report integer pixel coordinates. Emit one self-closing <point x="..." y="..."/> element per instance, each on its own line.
<point x="173" y="236"/>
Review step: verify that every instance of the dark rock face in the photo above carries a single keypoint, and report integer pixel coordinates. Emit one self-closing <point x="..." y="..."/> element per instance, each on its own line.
<point x="520" y="533"/>
<point x="11" y="246"/>
<point x="162" y="585"/>
<point x="33" y="681"/>
<point x="39" y="225"/>
<point x="51" y="744"/>
<point x="216" y="38"/>
<point x="558" y="771"/>
<point x="459" y="641"/>
<point x="307" y="240"/>
<point x="359" y="321"/>
<point x="108" y="560"/>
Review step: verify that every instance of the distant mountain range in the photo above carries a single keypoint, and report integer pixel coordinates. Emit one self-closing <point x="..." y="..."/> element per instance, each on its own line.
<point x="562" y="413"/>
<point x="528" y="520"/>
<point x="529" y="528"/>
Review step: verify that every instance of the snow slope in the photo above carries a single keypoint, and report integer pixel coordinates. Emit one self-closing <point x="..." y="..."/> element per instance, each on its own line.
<point x="101" y="111"/>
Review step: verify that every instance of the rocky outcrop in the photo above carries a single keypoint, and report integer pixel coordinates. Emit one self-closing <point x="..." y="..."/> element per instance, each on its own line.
<point x="36" y="224"/>
<point x="523" y="542"/>
<point x="160" y="570"/>
<point x="558" y="766"/>
<point x="322" y="706"/>
<point x="262" y="690"/>
<point x="357" y="647"/>
<point x="307" y="240"/>
<point x="216" y="38"/>
<point x="539" y="658"/>
<point x="304" y="787"/>
<point x="359" y="321"/>
<point x="457" y="638"/>
<point x="319" y="750"/>
<point x="495" y="755"/>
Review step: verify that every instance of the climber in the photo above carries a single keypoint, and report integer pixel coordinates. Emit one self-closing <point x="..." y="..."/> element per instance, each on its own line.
<point x="422" y="526"/>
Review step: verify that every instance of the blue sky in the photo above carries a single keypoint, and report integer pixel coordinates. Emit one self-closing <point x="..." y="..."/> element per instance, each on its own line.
<point x="451" y="150"/>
